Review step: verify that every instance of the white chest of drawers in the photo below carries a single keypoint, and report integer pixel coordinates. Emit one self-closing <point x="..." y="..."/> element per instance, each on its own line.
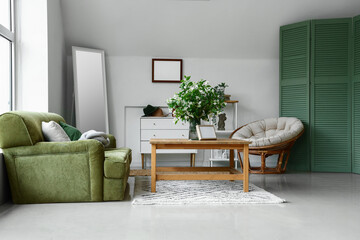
<point x="162" y="127"/>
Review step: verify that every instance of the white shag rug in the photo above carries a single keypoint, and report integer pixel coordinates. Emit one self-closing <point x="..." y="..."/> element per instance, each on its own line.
<point x="201" y="193"/>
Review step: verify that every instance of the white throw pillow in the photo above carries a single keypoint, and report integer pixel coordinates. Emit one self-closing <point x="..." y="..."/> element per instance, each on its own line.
<point x="53" y="132"/>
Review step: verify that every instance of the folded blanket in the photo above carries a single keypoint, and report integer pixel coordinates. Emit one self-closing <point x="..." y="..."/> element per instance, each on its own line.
<point x="100" y="136"/>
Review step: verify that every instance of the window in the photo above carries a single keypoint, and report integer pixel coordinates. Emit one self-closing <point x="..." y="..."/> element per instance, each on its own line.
<point x="7" y="39"/>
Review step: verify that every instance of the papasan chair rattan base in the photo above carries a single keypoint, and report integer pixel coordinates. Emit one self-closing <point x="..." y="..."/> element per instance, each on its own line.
<point x="273" y="136"/>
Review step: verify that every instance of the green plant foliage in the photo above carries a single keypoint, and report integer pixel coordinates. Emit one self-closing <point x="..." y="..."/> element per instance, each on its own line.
<point x="197" y="100"/>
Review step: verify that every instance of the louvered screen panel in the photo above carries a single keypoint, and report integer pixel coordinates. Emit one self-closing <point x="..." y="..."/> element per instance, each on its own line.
<point x="295" y="104"/>
<point x="331" y="95"/>
<point x="356" y="129"/>
<point x="294" y="86"/>
<point x="331" y="125"/>
<point x="356" y="97"/>
<point x="295" y="101"/>
<point x="294" y="68"/>
<point x="357" y="47"/>
<point x="294" y="51"/>
<point x="294" y="42"/>
<point x="335" y="37"/>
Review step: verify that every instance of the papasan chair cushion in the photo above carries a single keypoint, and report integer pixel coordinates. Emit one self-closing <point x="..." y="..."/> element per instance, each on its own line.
<point x="270" y="131"/>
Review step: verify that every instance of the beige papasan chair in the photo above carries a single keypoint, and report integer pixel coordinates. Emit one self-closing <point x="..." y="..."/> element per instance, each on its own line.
<point x="269" y="137"/>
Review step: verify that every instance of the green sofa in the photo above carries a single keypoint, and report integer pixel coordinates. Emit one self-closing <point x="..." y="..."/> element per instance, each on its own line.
<point x="45" y="172"/>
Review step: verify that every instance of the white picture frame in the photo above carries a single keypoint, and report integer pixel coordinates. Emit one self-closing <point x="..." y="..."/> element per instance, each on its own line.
<point x="206" y="132"/>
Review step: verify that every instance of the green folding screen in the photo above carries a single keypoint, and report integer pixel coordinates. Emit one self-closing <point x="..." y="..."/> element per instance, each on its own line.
<point x="320" y="85"/>
<point x="331" y="95"/>
<point x="294" y="86"/>
<point x="356" y="96"/>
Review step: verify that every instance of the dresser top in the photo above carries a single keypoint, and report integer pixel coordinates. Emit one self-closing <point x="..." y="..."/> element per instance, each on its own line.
<point x="156" y="117"/>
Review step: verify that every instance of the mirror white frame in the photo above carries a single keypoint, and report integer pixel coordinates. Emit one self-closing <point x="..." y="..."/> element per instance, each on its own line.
<point x="91" y="107"/>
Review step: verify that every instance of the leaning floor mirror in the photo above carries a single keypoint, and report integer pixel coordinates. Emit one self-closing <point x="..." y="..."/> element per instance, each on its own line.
<point x="91" y="109"/>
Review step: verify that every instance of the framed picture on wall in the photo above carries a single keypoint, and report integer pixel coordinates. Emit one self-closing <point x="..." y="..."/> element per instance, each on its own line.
<point x="166" y="70"/>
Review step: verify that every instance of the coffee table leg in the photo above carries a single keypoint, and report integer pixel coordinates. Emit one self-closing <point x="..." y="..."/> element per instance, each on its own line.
<point x="192" y="160"/>
<point x="231" y="160"/>
<point x="246" y="168"/>
<point x="143" y="161"/>
<point x="153" y="168"/>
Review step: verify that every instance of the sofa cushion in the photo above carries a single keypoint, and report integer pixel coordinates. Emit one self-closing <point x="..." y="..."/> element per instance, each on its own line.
<point x="270" y="131"/>
<point x="53" y="132"/>
<point x="73" y="133"/>
<point x="117" y="162"/>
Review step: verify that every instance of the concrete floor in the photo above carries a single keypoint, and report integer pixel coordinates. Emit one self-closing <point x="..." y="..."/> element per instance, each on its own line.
<point x="320" y="206"/>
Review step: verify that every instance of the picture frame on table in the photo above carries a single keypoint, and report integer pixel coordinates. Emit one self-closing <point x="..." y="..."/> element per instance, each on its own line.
<point x="206" y="132"/>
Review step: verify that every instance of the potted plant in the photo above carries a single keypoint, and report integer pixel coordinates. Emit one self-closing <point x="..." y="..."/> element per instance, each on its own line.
<point x="196" y="101"/>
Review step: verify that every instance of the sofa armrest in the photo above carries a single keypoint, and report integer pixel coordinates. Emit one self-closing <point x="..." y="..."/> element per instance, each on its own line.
<point x="56" y="171"/>
<point x="112" y="141"/>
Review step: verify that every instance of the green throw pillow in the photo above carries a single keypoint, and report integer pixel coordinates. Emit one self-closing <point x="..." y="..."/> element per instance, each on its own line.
<point x="73" y="133"/>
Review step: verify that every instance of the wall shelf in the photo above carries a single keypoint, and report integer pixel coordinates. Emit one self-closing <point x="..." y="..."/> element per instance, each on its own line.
<point x="225" y="134"/>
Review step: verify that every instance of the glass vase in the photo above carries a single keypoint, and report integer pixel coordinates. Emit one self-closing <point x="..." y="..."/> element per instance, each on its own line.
<point x="192" y="133"/>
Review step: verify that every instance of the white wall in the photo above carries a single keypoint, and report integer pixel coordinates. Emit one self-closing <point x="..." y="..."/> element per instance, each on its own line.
<point x="41" y="57"/>
<point x="254" y="82"/>
<point x="56" y="59"/>
<point x="206" y="29"/>
<point x="32" y="55"/>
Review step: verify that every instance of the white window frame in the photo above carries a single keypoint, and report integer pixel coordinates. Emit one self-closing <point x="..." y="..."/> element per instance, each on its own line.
<point x="9" y="34"/>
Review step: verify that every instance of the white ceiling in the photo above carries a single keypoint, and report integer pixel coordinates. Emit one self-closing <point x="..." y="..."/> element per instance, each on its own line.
<point x="184" y="28"/>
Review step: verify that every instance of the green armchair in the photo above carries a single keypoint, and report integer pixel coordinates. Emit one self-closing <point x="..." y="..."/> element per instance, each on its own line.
<point x="44" y="172"/>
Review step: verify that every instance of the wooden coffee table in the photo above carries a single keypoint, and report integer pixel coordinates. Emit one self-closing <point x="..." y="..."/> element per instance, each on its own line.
<point x="200" y="173"/>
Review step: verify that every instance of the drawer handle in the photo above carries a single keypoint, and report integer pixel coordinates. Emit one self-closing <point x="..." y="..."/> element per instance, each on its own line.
<point x="154" y="124"/>
<point x="154" y="135"/>
<point x="183" y="135"/>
